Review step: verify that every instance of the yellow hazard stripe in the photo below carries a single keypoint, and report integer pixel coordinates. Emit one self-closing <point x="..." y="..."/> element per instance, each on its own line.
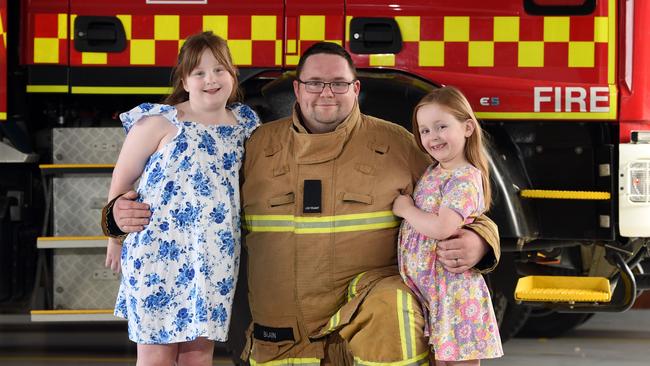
<point x="317" y="225"/>
<point x="120" y="90"/>
<point x="47" y="88"/>
<point x="76" y="166"/>
<point x="68" y="312"/>
<point x="553" y="115"/>
<point x="288" y="361"/>
<point x="565" y="195"/>
<point x="67" y="238"/>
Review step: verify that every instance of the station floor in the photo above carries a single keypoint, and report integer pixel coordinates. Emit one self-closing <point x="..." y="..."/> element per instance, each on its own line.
<point x="607" y="339"/>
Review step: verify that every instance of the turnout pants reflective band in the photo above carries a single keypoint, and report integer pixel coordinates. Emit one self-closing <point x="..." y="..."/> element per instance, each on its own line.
<point x="388" y="309"/>
<point x="382" y="306"/>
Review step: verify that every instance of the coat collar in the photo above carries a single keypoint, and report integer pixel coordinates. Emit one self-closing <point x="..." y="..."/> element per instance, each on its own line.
<point x="314" y="148"/>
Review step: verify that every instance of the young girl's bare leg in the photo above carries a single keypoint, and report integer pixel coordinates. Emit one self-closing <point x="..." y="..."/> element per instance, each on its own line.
<point x="196" y="353"/>
<point x="157" y="354"/>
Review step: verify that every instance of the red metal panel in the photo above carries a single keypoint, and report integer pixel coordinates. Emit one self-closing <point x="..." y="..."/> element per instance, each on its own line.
<point x="3" y="60"/>
<point x="502" y="76"/>
<point x="303" y="30"/>
<point x="41" y="21"/>
<point x="635" y="109"/>
<point x="261" y="52"/>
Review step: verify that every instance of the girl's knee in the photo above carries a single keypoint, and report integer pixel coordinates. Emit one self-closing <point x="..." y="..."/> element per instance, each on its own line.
<point x="156" y="355"/>
<point x="196" y="353"/>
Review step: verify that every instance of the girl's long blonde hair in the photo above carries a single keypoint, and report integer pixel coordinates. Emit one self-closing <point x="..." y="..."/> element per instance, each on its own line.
<point x="190" y="56"/>
<point x="475" y="147"/>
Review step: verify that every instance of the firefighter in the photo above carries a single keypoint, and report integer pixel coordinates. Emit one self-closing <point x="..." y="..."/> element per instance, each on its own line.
<point x="317" y="194"/>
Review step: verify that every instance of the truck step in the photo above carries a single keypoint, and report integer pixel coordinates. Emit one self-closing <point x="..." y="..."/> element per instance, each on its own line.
<point x="74" y="315"/>
<point x="563" y="289"/>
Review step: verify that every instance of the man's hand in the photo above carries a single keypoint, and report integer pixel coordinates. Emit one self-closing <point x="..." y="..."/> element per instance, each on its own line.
<point x="401" y="204"/>
<point x="461" y="251"/>
<point x="130" y="216"/>
<point x="113" y="255"/>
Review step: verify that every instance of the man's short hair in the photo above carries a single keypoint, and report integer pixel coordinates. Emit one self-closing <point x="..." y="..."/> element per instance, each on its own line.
<point x="329" y="48"/>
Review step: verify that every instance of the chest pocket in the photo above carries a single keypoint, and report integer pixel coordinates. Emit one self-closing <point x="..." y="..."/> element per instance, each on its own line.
<point x="360" y="182"/>
<point x="281" y="191"/>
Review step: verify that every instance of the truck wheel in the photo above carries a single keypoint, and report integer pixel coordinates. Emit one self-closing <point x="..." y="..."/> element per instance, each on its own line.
<point x="510" y="316"/>
<point x="550" y="324"/>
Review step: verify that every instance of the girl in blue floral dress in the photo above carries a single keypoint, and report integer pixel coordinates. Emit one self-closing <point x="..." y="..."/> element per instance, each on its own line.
<point x="179" y="273"/>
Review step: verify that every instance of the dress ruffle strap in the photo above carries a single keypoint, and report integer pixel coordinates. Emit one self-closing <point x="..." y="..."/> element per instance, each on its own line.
<point x="146" y="110"/>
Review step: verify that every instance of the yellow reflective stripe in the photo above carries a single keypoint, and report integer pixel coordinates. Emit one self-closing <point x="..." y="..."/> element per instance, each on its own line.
<point x="419" y="360"/>
<point x="325" y="224"/>
<point x="348" y="228"/>
<point x="565" y="195"/>
<point x="345" y="217"/>
<point x="411" y="323"/>
<point x="3" y="116"/>
<point x="288" y="361"/>
<point x="334" y="321"/>
<point x="406" y="319"/>
<point x="402" y="327"/>
<point x="352" y="288"/>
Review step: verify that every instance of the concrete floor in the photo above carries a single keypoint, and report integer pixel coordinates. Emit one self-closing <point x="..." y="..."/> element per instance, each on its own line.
<point x="606" y="339"/>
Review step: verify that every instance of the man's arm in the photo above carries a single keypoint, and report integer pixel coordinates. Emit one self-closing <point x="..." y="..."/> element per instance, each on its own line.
<point x="144" y="138"/>
<point x="475" y="245"/>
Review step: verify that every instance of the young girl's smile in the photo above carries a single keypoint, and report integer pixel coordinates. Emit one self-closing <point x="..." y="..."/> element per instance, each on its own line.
<point x="442" y="135"/>
<point x="209" y="84"/>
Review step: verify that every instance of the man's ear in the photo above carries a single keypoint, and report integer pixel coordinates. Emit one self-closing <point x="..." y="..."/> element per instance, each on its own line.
<point x="357" y="87"/>
<point x="470" y="126"/>
<point x="296" y="88"/>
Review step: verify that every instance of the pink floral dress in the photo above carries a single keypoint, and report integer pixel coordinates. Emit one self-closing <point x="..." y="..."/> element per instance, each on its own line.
<point x="460" y="320"/>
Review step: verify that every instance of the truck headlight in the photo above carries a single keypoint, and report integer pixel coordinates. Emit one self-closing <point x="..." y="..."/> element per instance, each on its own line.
<point x="637" y="182"/>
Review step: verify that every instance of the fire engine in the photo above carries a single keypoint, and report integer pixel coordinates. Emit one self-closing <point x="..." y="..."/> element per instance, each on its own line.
<point x="560" y="86"/>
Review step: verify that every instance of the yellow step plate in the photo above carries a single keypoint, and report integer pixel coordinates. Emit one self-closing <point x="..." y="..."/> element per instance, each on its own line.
<point x="563" y="289"/>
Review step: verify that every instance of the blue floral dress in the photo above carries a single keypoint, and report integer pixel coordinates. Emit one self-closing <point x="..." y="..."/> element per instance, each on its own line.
<point x="179" y="273"/>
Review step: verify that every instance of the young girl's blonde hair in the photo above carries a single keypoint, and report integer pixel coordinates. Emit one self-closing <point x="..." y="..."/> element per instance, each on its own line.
<point x="457" y="105"/>
<point x="190" y="56"/>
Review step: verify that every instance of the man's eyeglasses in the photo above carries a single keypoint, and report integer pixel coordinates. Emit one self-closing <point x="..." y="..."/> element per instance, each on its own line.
<point x="317" y="87"/>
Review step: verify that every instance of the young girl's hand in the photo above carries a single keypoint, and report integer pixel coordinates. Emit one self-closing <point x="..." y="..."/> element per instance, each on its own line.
<point x="401" y="204"/>
<point x="113" y="254"/>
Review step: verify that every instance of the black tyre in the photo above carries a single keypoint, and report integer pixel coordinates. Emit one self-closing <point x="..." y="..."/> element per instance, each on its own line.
<point x="510" y="316"/>
<point x="549" y="324"/>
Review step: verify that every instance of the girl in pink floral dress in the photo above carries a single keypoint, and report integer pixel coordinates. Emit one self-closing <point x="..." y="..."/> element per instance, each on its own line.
<point x="459" y="318"/>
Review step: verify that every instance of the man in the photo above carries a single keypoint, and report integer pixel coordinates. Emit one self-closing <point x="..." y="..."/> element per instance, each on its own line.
<point x="317" y="195"/>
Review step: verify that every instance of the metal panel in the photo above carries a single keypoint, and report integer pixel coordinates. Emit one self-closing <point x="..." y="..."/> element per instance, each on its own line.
<point x="86" y="145"/>
<point x="81" y="281"/>
<point x="78" y="202"/>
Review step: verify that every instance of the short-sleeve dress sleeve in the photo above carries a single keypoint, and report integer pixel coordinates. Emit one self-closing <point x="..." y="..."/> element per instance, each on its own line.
<point x="146" y="110"/>
<point x="463" y="193"/>
<point x="247" y="117"/>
